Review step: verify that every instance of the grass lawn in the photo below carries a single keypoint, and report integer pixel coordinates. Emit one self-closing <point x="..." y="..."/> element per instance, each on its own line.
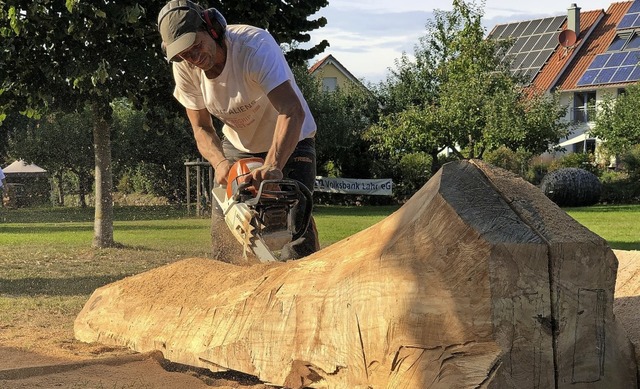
<point x="618" y="224"/>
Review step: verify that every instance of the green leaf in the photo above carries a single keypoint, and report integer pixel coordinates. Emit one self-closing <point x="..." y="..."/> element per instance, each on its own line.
<point x="70" y="4"/>
<point x="133" y="14"/>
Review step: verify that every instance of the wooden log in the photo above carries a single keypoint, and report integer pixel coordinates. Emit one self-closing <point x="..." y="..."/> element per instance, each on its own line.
<point x="477" y="281"/>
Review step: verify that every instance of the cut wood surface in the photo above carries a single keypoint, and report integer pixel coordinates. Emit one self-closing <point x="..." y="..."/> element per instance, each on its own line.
<point x="477" y="281"/>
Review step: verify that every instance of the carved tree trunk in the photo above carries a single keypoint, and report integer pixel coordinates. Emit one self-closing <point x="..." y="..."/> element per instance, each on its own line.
<point x="478" y="281"/>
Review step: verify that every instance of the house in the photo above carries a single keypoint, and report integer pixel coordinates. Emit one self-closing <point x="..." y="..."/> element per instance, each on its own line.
<point x="333" y="75"/>
<point x="583" y="56"/>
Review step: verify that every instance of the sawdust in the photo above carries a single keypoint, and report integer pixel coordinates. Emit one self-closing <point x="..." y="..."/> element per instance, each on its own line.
<point x="626" y="306"/>
<point x="195" y="283"/>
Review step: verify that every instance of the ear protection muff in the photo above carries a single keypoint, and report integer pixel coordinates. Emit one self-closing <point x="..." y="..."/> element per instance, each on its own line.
<point x="216" y="23"/>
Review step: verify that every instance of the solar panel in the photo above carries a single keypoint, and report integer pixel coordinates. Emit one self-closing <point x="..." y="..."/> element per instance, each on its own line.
<point x="622" y="74"/>
<point x="542" y="42"/>
<point x="530" y="74"/>
<point x="634" y="43"/>
<point x="627" y="21"/>
<point x="535" y="42"/>
<point x="547" y="53"/>
<point x="543" y="26"/>
<point x="604" y="76"/>
<point x="618" y="43"/>
<point x="632" y="59"/>
<point x="588" y="77"/>
<point x="599" y="61"/>
<point x="552" y="42"/>
<point x="635" y="74"/>
<point x="531" y="28"/>
<point x="539" y="61"/>
<point x="495" y="34"/>
<point x="517" y="46"/>
<point x="618" y="64"/>
<point x="530" y="43"/>
<point x="615" y="60"/>
<point x="508" y="31"/>
<point x="517" y="62"/>
<point x="556" y="23"/>
<point x="635" y="7"/>
<point x="519" y="29"/>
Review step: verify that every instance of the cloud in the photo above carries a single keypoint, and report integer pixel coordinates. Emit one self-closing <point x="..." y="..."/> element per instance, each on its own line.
<point x="368" y="36"/>
<point x="368" y="42"/>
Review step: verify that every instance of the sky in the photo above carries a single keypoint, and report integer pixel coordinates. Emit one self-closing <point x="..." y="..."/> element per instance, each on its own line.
<point x="368" y="36"/>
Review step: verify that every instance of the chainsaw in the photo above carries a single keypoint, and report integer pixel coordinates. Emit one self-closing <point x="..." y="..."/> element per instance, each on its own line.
<point x="263" y="219"/>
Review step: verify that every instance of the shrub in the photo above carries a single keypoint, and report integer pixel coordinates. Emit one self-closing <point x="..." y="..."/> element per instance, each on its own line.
<point x="572" y="187"/>
<point x="619" y="188"/>
<point x="585" y="161"/>
<point x="631" y="162"/>
<point x="538" y="168"/>
<point x="505" y="158"/>
<point x="415" y="171"/>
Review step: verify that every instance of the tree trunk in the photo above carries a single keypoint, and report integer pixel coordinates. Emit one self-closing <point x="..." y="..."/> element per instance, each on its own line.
<point x="60" y="180"/>
<point x="435" y="161"/>
<point x="477" y="281"/>
<point x="103" y="222"/>
<point x="82" y="188"/>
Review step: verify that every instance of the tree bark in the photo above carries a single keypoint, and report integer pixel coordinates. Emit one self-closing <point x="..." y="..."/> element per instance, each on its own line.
<point x="59" y="177"/>
<point x="82" y="188"/>
<point x="477" y="281"/>
<point x="103" y="220"/>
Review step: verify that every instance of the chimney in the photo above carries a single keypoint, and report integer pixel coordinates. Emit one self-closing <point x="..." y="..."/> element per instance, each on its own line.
<point x="573" y="19"/>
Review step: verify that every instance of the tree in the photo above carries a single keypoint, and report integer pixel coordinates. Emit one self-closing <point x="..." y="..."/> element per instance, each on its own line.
<point x="59" y="143"/>
<point x="153" y="154"/>
<point x="460" y="96"/>
<point x="342" y="116"/>
<point x="288" y="21"/>
<point x="618" y="121"/>
<point x="78" y="54"/>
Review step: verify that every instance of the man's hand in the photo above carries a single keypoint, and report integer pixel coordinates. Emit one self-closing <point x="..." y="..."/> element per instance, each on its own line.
<point x="222" y="171"/>
<point x="265" y="172"/>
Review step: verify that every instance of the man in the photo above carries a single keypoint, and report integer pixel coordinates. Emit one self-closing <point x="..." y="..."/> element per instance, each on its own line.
<point x="238" y="73"/>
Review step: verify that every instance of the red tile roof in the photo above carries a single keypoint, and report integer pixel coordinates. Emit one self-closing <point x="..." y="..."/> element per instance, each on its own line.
<point x="319" y="63"/>
<point x="597" y="43"/>
<point x="561" y="58"/>
<point x="330" y="59"/>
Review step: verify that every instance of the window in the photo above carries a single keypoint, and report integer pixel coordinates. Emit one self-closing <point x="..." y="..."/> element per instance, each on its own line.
<point x="586" y="146"/>
<point x="584" y="107"/>
<point x="329" y="84"/>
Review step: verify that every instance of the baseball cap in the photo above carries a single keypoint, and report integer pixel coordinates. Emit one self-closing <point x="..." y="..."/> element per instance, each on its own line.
<point x="178" y="22"/>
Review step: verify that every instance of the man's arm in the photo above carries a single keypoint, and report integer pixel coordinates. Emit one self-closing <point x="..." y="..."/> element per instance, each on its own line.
<point x="209" y="144"/>
<point x="287" y="132"/>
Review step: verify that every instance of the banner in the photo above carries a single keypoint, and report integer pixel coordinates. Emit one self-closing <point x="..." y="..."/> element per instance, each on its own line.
<point x="377" y="187"/>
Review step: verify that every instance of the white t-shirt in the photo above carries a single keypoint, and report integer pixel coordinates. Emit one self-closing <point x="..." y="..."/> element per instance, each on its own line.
<point x="238" y="96"/>
<point x="2" y="176"/>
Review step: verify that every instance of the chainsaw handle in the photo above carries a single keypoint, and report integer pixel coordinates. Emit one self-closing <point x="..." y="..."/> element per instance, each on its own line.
<point x="308" y="206"/>
<point x="299" y="188"/>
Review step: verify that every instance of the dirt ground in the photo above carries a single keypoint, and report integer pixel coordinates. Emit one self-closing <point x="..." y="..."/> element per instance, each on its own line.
<point x="72" y="364"/>
<point x="109" y="368"/>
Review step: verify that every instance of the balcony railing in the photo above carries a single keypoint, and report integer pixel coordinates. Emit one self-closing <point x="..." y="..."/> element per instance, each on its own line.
<point x="583" y="114"/>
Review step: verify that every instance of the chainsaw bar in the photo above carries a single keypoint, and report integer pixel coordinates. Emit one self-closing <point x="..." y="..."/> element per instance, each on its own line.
<point x="238" y="217"/>
<point x="261" y="250"/>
